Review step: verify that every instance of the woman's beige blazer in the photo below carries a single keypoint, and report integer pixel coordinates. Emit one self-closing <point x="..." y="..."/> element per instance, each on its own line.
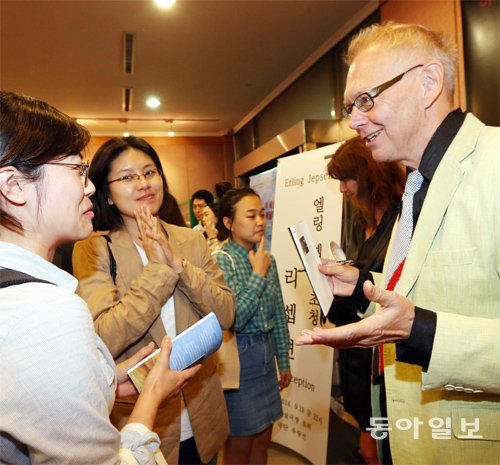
<point x="127" y="317"/>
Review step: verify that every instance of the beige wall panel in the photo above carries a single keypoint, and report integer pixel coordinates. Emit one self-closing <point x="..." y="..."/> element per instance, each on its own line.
<point x="94" y="144"/>
<point x="228" y="162"/>
<point x="205" y="167"/>
<point x="173" y="160"/>
<point x="438" y="15"/>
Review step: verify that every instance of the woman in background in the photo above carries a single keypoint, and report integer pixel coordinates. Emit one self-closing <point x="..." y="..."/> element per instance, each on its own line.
<point x="227" y="359"/>
<point x="260" y="326"/>
<point x="216" y="236"/>
<point x="58" y="379"/>
<point x="220" y="188"/>
<point x="170" y="211"/>
<point x="373" y="191"/>
<point x="140" y="288"/>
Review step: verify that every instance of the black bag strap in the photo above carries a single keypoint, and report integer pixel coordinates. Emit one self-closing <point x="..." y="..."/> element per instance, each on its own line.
<point x="10" y="277"/>
<point x="112" y="261"/>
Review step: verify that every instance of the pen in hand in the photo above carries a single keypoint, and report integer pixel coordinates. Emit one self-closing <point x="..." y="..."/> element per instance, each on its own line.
<point x="341" y="262"/>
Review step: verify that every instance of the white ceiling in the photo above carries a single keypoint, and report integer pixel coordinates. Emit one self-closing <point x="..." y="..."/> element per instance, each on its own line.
<point x="205" y="59"/>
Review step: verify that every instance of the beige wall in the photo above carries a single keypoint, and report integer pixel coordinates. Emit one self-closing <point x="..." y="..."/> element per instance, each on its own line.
<point x="189" y="163"/>
<point x="439" y="15"/>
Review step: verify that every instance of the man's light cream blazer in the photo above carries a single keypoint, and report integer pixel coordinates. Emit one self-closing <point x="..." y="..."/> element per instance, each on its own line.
<point x="452" y="268"/>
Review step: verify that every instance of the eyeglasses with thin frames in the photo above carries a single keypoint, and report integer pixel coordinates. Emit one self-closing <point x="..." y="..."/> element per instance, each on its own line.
<point x="135" y="177"/>
<point x="83" y="169"/>
<point x="364" y="102"/>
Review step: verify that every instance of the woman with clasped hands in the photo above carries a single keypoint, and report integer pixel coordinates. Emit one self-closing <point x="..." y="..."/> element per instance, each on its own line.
<point x="58" y="380"/>
<point x="143" y="278"/>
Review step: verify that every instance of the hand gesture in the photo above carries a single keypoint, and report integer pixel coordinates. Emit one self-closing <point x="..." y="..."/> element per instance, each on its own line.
<point x="391" y="322"/>
<point x="285" y="378"/>
<point x="162" y="382"/>
<point x="342" y="278"/>
<point x="150" y="235"/>
<point x="210" y="228"/>
<point x="154" y="241"/>
<point x="260" y="259"/>
<point x="173" y="260"/>
<point x="125" y="387"/>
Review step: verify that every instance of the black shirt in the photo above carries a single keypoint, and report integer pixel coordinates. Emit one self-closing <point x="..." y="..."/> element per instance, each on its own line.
<point x="367" y="254"/>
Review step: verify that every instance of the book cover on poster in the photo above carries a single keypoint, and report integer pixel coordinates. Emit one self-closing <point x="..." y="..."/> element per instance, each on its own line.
<point x="191" y="346"/>
<point x="308" y="253"/>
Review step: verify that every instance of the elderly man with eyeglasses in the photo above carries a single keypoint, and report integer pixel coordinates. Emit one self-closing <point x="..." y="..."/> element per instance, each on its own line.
<point x="436" y="326"/>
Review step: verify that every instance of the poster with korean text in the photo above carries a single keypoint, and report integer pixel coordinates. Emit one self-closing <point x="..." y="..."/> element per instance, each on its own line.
<point x="305" y="191"/>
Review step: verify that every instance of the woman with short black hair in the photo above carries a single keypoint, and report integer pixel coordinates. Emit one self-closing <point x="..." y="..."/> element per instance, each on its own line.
<point x="143" y="278"/>
<point x="58" y="379"/>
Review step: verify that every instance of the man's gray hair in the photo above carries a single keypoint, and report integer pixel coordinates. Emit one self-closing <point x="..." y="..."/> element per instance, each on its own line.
<point x="413" y="39"/>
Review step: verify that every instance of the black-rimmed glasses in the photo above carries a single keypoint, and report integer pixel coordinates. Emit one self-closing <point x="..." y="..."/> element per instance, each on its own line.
<point x="134" y="177"/>
<point x="364" y="102"/>
<point x="83" y="169"/>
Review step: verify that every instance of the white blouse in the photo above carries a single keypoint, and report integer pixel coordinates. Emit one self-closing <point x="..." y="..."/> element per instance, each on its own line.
<point x="57" y="378"/>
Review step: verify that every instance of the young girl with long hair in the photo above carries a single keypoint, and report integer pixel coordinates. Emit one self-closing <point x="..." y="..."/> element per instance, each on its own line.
<point x="260" y="326"/>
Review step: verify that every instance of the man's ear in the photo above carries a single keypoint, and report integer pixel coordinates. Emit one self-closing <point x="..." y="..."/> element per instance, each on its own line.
<point x="433" y="82"/>
<point x="12" y="185"/>
<point x="227" y="222"/>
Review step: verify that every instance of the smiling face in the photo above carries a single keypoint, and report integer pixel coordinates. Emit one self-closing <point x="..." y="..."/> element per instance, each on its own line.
<point x="249" y="223"/>
<point x="391" y="129"/>
<point x="128" y="196"/>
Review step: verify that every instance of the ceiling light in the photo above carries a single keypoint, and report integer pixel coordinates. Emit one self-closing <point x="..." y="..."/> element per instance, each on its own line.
<point x="165" y="3"/>
<point x="125" y="133"/>
<point x="171" y="132"/>
<point x="153" y="102"/>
